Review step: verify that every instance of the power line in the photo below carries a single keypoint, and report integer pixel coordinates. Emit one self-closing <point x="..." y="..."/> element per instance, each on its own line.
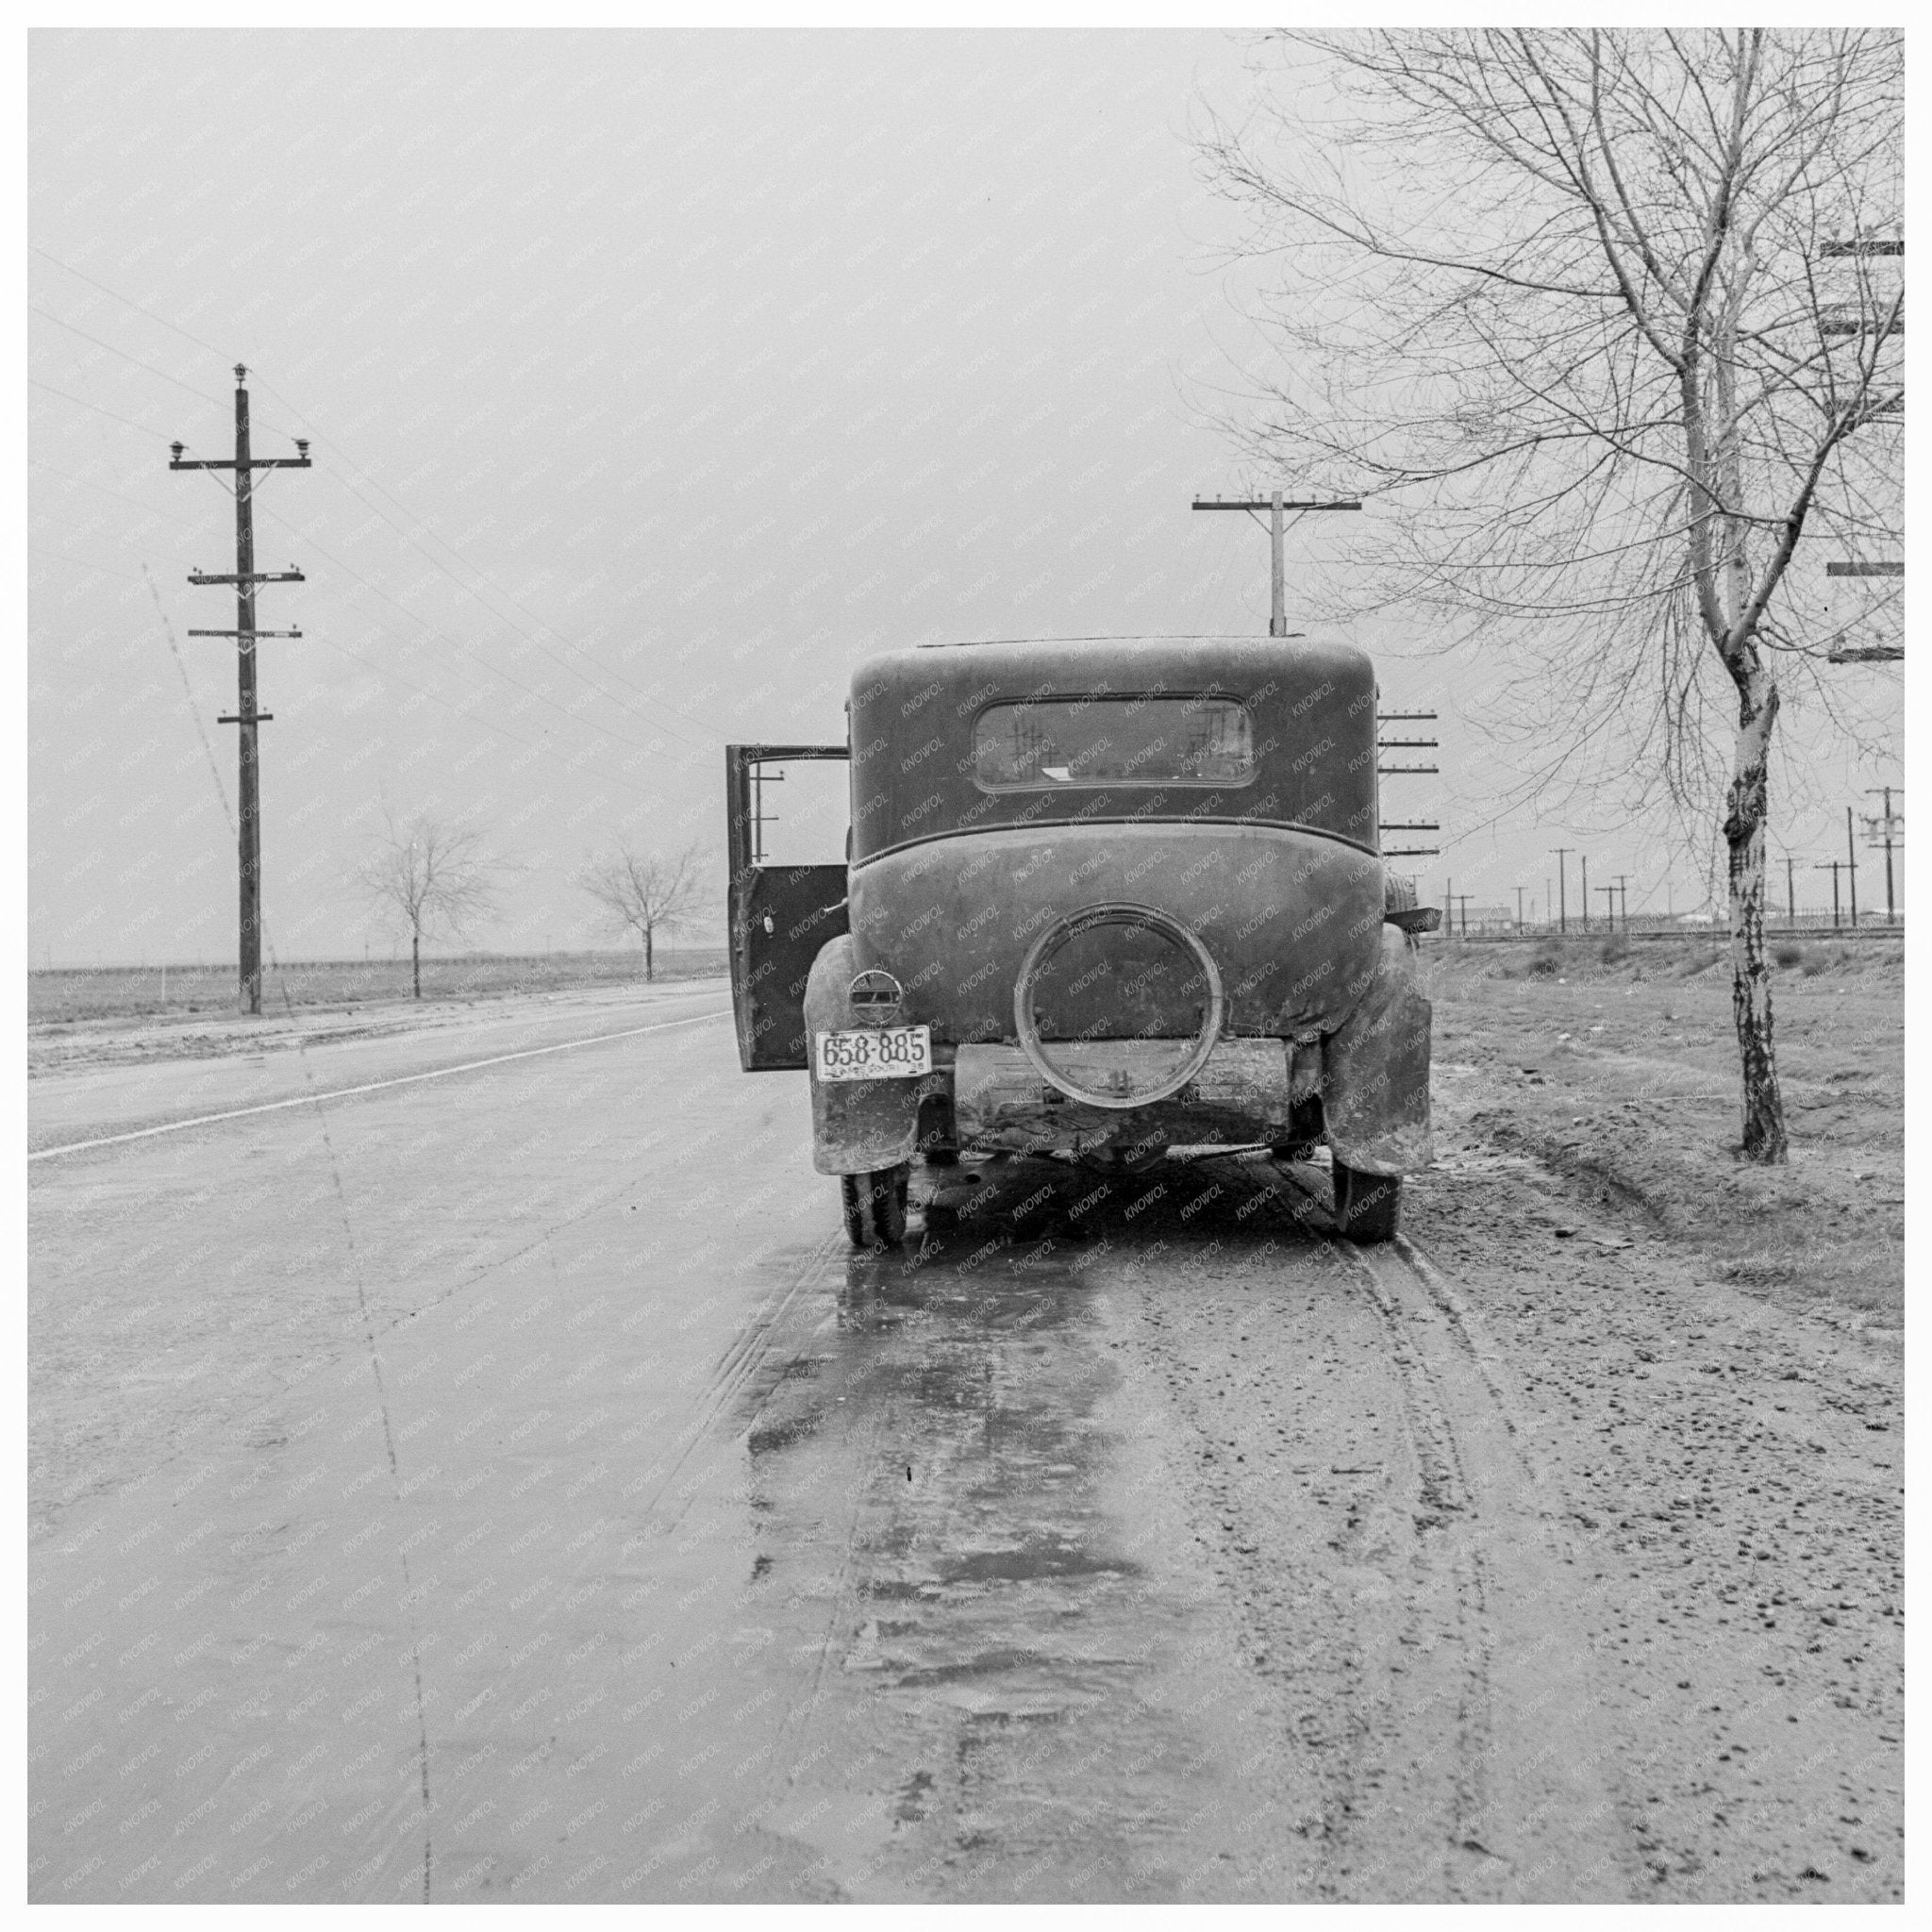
<point x="536" y="643"/>
<point x="648" y="698"/>
<point x="602" y="688"/>
<point x="80" y="562"/>
<point x="455" y="711"/>
<point x="656" y="725"/>
<point x="193" y="710"/>
<point x="107" y="490"/>
<point x="385" y="670"/>
<point x="380" y="670"/>
<point x="129" y="301"/>
<point x="145" y="428"/>
<point x="456" y="643"/>
<point x="507" y="597"/>
<point x="147" y="368"/>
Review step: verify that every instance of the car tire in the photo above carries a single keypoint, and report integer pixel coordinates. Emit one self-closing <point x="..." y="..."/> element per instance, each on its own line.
<point x="1368" y="1206"/>
<point x="875" y="1206"/>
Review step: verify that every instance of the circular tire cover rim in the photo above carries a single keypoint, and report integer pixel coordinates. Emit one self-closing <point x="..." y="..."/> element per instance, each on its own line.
<point x="1071" y="927"/>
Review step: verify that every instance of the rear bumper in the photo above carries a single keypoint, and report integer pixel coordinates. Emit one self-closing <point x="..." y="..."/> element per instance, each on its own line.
<point x="1000" y="1100"/>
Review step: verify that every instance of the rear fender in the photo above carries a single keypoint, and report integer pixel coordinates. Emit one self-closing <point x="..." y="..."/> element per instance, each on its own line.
<point x="1376" y="1069"/>
<point x="857" y="1127"/>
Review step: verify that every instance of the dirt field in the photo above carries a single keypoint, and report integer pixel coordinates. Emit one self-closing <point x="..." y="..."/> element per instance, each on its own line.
<point x="1617" y="1070"/>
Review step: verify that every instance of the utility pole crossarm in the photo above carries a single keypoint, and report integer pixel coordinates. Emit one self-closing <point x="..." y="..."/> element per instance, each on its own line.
<point x="1274" y="506"/>
<point x="252" y="463"/>
<point x="1269" y="502"/>
<point x="253" y="576"/>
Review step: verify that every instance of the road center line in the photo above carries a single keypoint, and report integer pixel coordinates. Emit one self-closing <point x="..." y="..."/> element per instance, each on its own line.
<point x="371" y="1086"/>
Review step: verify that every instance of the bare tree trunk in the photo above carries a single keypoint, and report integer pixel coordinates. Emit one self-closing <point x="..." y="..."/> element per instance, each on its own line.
<point x="416" y="962"/>
<point x="1764" y="1112"/>
<point x="648" y="971"/>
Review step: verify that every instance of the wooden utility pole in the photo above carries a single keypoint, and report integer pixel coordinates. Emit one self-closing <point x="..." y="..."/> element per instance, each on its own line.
<point x="1562" y="852"/>
<point x="244" y="578"/>
<point x="1791" y="891"/>
<point x="1519" y="909"/>
<point x="1623" y="894"/>
<point x="1583" y="861"/>
<point x="1883" y="832"/>
<point x="1609" y="894"/>
<point x="1851" y="865"/>
<point x="1277" y="574"/>
<point x="1833" y="866"/>
<point x="1462" y="899"/>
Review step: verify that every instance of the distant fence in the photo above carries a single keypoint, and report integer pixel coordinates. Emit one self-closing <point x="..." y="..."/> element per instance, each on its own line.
<point x="1802" y="928"/>
<point x="79" y="994"/>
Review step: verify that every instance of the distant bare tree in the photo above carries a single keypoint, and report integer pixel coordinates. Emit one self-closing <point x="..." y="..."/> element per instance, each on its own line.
<point x="429" y="874"/>
<point x="1610" y="321"/>
<point x="646" y="893"/>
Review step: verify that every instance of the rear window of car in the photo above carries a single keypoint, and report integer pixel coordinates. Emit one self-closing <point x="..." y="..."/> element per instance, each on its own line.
<point x="1056" y="744"/>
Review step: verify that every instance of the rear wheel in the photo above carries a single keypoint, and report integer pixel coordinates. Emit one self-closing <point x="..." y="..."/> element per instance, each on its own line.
<point x="1368" y="1206"/>
<point x="875" y="1206"/>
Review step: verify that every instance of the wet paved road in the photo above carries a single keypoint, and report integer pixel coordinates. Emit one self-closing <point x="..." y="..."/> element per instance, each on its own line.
<point x="180" y="1070"/>
<point x="511" y="1487"/>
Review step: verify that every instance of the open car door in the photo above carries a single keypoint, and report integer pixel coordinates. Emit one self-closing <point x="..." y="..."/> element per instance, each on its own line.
<point x="779" y="914"/>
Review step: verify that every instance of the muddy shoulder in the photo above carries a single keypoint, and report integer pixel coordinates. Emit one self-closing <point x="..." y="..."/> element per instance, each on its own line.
<point x="1707" y="1356"/>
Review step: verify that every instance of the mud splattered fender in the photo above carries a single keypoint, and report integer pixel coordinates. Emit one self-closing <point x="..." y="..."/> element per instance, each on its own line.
<point x="1376" y="1069"/>
<point x="857" y="1125"/>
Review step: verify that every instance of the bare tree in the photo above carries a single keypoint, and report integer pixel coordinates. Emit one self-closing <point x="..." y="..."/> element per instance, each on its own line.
<point x="429" y="874"/>
<point x="1610" y="319"/>
<point x="646" y="893"/>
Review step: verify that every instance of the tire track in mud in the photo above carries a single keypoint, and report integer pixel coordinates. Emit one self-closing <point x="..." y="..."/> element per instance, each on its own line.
<point x="1395" y="1570"/>
<point x="1533" y="1792"/>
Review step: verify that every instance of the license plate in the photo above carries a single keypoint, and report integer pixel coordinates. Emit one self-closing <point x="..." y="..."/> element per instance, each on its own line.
<point x="875" y="1052"/>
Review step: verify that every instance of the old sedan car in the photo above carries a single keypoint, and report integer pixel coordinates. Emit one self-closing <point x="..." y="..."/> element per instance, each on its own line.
<point x="1101" y="897"/>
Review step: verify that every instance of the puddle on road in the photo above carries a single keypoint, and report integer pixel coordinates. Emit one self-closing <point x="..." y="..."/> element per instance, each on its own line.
<point x="942" y="1474"/>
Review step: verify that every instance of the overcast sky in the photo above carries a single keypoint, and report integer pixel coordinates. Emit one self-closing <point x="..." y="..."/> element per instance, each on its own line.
<point x="654" y="380"/>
